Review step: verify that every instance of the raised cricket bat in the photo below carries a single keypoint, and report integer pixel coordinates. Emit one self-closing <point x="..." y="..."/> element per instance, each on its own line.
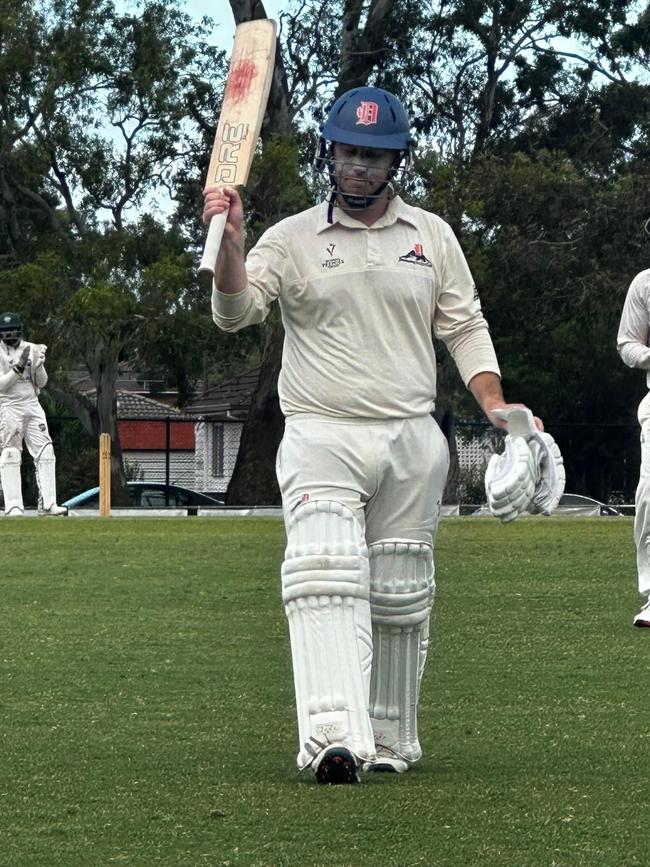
<point x="242" y="112"/>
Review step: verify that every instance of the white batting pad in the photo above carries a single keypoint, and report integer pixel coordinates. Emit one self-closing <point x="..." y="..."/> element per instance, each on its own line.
<point x="401" y="595"/>
<point x="325" y="594"/>
<point x="10" y="461"/>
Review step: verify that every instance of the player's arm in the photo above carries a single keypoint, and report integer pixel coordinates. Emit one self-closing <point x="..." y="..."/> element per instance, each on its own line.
<point x="487" y="391"/>
<point x="634" y="328"/>
<point x="12" y="376"/>
<point x="39" y="374"/>
<point x="243" y="287"/>
<point x="229" y="269"/>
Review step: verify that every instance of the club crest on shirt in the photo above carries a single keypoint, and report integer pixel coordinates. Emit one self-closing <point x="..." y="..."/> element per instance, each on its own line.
<point x="333" y="261"/>
<point x="416" y="255"/>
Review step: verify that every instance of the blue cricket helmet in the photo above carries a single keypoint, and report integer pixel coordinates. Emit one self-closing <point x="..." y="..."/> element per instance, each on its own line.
<point x="369" y="117"/>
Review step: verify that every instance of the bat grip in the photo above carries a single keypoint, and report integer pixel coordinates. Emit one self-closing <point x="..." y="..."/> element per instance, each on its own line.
<point x="213" y="242"/>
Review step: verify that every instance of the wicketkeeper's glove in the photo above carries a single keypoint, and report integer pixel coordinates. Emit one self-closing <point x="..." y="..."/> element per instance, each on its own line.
<point x="19" y="366"/>
<point x="529" y="475"/>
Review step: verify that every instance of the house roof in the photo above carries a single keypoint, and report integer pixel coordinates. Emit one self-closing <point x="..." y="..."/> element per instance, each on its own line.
<point x="132" y="406"/>
<point x="230" y="400"/>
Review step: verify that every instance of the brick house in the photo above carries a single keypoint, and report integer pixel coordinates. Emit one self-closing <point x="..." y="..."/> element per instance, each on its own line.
<point x="157" y="440"/>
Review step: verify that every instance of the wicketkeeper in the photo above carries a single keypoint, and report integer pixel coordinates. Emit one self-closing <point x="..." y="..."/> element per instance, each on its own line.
<point x="22" y="376"/>
<point x="362" y="280"/>
<point x="632" y="344"/>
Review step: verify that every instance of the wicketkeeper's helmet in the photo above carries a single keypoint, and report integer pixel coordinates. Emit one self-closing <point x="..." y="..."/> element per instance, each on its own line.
<point x="11" y="328"/>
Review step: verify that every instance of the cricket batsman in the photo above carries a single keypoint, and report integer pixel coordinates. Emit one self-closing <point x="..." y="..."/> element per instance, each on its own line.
<point x="363" y="279"/>
<point x="632" y="345"/>
<point x="22" y="376"/>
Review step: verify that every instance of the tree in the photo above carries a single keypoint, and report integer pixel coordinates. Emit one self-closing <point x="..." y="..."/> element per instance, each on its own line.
<point x="96" y="114"/>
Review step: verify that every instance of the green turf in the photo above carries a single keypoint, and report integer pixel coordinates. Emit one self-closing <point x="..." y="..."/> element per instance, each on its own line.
<point x="146" y="712"/>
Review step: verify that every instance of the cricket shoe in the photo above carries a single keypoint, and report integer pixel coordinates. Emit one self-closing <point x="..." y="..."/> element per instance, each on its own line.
<point x="643" y="617"/>
<point x="15" y="512"/>
<point x="53" y="510"/>
<point x="387" y="761"/>
<point x="336" y="765"/>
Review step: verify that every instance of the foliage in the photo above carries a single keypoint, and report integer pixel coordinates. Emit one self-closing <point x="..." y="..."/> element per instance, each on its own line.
<point x="532" y="123"/>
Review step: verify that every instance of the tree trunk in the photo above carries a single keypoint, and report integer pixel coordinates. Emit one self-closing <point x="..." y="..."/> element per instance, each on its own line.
<point x="105" y="379"/>
<point x="253" y="481"/>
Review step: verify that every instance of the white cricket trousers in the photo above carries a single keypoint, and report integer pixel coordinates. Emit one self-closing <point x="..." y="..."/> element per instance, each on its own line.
<point x="24" y="420"/>
<point x="390" y="472"/>
<point x="642" y="502"/>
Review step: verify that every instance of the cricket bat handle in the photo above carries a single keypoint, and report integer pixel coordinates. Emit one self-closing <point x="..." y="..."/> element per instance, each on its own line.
<point x="213" y="242"/>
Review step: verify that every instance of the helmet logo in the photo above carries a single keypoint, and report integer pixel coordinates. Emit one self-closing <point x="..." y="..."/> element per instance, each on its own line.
<point x="367" y="113"/>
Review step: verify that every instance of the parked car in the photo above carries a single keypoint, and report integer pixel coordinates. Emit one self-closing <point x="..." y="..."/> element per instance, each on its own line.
<point x="571" y="504"/>
<point x="148" y="495"/>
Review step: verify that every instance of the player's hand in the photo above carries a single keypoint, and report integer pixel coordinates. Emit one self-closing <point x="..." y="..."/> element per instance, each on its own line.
<point x="41" y="349"/>
<point x="20" y="365"/>
<point x="216" y="200"/>
<point x="496" y="415"/>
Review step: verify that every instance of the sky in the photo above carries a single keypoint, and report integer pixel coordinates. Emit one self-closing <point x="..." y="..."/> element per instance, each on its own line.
<point x="220" y="12"/>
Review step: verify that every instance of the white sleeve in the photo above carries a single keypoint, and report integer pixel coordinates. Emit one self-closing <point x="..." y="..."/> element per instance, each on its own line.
<point x="265" y="267"/>
<point x="458" y="320"/>
<point x="7" y="380"/>
<point x="634" y="329"/>
<point x="39" y="375"/>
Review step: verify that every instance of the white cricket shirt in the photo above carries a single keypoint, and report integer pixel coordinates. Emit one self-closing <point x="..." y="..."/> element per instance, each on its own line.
<point x="634" y="329"/>
<point x="23" y="388"/>
<point x="359" y="305"/>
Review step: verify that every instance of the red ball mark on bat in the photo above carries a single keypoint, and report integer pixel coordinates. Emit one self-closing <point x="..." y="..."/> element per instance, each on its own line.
<point x="240" y="80"/>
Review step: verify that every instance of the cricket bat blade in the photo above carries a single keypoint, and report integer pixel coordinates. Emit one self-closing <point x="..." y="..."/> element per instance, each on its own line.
<point x="240" y="121"/>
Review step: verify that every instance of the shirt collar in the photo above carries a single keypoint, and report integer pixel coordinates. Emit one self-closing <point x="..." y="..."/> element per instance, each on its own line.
<point x="397" y="210"/>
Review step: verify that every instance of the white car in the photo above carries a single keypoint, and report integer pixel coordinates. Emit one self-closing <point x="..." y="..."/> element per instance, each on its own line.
<point x="572" y="504"/>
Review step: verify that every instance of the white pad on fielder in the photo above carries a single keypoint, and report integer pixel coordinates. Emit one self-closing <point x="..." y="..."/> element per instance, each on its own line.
<point x="45" y="466"/>
<point x="10" y="461"/>
<point x="325" y="593"/>
<point x="401" y="595"/>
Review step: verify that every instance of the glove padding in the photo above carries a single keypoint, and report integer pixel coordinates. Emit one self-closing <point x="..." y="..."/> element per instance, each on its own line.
<point x="19" y="366"/>
<point x="510" y="480"/>
<point x="529" y="476"/>
<point x="551" y="476"/>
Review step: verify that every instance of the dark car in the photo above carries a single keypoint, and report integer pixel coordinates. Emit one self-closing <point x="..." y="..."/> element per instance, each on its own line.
<point x="148" y="495"/>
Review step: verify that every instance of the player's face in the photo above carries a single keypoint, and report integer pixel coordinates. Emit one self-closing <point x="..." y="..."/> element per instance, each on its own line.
<point x="11" y="337"/>
<point x="359" y="171"/>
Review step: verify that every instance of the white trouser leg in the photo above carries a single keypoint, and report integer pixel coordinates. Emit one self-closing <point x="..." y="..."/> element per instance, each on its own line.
<point x="325" y="593"/>
<point x="10" y="461"/>
<point x="401" y="596"/>
<point x="642" y="512"/>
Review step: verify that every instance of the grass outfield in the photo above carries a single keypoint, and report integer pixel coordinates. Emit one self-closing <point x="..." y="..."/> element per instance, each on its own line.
<point x="146" y="700"/>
